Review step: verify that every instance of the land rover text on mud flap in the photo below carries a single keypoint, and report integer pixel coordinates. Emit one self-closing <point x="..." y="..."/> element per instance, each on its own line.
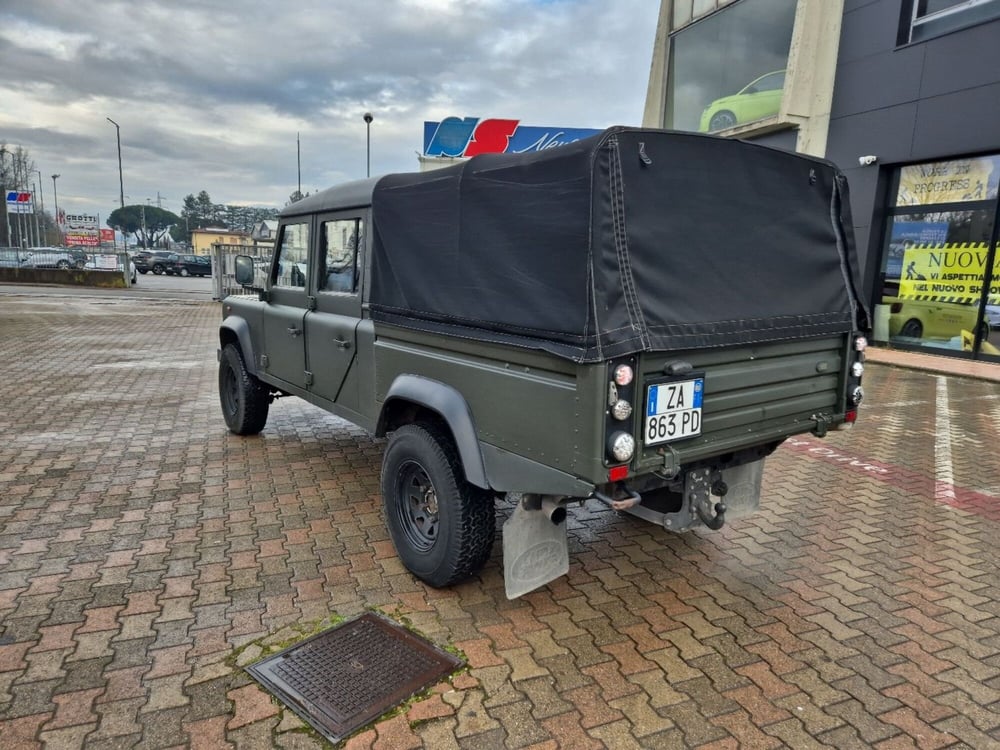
<point x="638" y="318"/>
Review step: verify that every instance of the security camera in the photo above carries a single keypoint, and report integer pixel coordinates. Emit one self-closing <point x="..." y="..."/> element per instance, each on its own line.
<point x="867" y="161"/>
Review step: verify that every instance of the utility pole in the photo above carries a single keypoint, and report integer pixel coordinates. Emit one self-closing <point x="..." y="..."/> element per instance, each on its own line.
<point x="34" y="210"/>
<point x="121" y="183"/>
<point x="55" y="195"/>
<point x="3" y="180"/>
<point x="41" y="200"/>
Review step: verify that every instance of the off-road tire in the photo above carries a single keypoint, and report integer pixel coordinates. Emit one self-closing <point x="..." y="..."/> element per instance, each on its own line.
<point x="244" y="399"/>
<point x="452" y="544"/>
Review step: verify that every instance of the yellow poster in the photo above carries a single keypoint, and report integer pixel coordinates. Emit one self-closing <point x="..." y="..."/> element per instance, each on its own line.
<point x="946" y="182"/>
<point x="948" y="273"/>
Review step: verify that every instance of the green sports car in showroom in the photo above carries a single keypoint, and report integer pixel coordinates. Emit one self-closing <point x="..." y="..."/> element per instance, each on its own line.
<point x="758" y="99"/>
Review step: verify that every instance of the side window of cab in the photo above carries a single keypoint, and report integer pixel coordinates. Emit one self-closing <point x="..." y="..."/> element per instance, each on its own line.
<point x="339" y="244"/>
<point x="292" y="267"/>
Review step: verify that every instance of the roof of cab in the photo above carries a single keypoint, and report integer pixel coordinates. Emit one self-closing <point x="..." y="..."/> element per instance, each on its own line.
<point x="346" y="195"/>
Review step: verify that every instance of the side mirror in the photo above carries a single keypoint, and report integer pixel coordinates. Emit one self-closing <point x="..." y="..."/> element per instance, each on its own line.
<point x="244" y="270"/>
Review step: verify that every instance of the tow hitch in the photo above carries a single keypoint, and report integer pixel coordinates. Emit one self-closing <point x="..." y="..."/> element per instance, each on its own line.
<point x="701" y="484"/>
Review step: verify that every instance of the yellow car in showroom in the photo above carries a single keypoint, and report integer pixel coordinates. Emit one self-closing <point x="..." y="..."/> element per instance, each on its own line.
<point x="758" y="99"/>
<point x="929" y="319"/>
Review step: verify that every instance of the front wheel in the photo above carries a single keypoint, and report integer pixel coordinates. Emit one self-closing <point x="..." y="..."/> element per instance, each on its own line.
<point x="721" y="121"/>
<point x="245" y="400"/>
<point x="442" y="526"/>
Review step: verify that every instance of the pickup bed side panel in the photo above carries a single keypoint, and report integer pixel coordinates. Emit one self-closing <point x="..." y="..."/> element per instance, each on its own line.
<point x="523" y="403"/>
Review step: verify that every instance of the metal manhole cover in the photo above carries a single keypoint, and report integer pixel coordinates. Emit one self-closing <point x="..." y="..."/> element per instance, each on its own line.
<point x="342" y="678"/>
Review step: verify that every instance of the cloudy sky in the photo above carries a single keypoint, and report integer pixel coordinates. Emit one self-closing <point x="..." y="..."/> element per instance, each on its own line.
<point x="210" y="94"/>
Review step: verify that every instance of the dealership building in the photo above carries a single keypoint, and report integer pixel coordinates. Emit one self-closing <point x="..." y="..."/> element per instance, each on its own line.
<point x="904" y="96"/>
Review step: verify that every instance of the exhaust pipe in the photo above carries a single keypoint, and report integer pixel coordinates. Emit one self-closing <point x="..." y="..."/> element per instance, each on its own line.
<point x="554" y="511"/>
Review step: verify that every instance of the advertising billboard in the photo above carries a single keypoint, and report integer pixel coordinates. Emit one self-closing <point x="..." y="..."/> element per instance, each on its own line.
<point x="468" y="136"/>
<point x="83" y="230"/>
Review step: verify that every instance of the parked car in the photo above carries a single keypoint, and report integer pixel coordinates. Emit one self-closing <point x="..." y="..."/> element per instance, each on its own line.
<point x="11" y="257"/>
<point x="928" y="319"/>
<point x="156" y="261"/>
<point x="54" y="257"/>
<point x="759" y="98"/>
<point x="191" y="265"/>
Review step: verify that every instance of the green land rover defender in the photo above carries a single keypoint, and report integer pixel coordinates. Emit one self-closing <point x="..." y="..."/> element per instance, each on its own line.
<point x="637" y="319"/>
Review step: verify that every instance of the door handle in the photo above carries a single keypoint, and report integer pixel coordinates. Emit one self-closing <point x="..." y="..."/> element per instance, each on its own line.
<point x="342" y="343"/>
<point x="295" y="331"/>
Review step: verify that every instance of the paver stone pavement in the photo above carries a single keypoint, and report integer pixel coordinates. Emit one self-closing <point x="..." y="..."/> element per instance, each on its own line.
<point x="146" y="555"/>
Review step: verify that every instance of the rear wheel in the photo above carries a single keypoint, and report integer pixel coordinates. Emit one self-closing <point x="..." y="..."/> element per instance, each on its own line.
<point x="442" y="526"/>
<point x="184" y="272"/>
<point x="158" y="268"/>
<point x="63" y="264"/>
<point x="245" y="400"/>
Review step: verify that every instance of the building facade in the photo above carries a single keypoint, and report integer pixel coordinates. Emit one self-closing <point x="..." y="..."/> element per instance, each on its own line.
<point x="203" y="239"/>
<point x="901" y="95"/>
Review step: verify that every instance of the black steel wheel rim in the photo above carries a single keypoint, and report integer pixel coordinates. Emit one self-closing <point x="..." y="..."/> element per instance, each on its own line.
<point x="230" y="390"/>
<point x="416" y="506"/>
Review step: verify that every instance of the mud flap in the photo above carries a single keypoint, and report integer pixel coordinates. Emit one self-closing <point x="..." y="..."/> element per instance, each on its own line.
<point x="535" y="551"/>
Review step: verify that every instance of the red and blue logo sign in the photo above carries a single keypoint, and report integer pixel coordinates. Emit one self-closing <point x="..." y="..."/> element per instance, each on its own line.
<point x="19" y="203"/>
<point x="468" y="136"/>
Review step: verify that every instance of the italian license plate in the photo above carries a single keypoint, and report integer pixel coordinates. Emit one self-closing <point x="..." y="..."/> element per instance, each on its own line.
<point x="673" y="410"/>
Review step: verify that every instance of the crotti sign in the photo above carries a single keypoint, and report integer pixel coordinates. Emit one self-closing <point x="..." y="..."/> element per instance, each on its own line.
<point x="19" y="203"/>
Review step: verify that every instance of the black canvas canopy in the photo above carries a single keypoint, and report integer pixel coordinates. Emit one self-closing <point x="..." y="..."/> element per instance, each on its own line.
<point x="629" y="240"/>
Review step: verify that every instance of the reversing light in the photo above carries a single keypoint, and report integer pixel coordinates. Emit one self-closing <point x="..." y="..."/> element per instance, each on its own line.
<point x="621" y="410"/>
<point x="857" y="395"/>
<point x="857" y="369"/>
<point x="860" y="343"/>
<point x="623" y="374"/>
<point x="621" y="446"/>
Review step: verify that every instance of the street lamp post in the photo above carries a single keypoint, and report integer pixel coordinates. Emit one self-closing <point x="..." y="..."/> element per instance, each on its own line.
<point x="6" y="213"/>
<point x="121" y="183"/>
<point x="368" y="149"/>
<point x="41" y="201"/>
<point x="55" y="195"/>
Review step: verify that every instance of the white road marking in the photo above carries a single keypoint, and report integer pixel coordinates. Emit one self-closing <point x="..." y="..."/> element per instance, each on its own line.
<point x="944" y="485"/>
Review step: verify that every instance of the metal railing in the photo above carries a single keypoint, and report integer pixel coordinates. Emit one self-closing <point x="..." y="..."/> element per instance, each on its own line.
<point x="66" y="259"/>
<point x="224" y="268"/>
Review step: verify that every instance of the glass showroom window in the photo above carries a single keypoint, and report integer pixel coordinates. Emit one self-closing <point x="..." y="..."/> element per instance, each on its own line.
<point x="930" y="18"/>
<point x="728" y="69"/>
<point x="937" y="256"/>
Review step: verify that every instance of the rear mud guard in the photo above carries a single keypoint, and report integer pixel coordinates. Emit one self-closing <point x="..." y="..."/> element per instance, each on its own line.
<point x="535" y="547"/>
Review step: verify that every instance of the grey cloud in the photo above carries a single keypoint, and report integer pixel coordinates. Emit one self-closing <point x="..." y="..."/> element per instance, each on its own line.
<point x="570" y="63"/>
